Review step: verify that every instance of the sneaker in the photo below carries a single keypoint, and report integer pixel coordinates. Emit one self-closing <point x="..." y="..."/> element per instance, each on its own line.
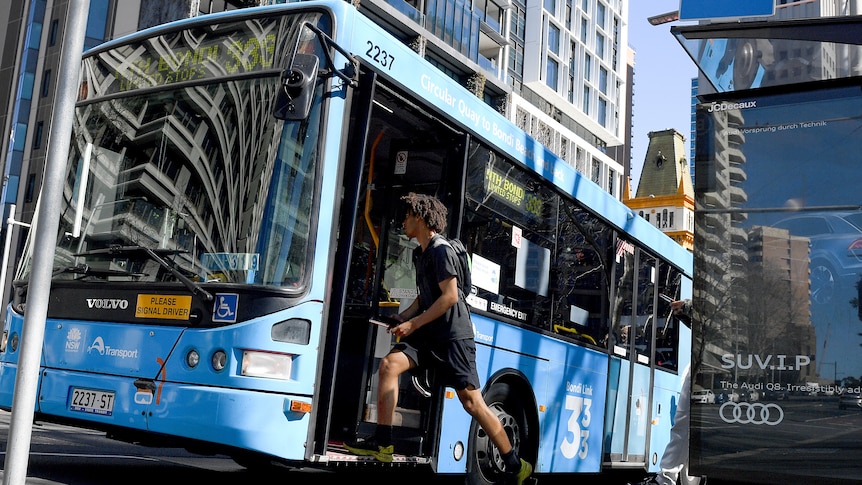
<point x="524" y="473"/>
<point x="369" y="447"/>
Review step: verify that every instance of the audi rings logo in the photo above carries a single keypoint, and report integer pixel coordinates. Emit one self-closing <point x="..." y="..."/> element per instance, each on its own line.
<point x="751" y="413"/>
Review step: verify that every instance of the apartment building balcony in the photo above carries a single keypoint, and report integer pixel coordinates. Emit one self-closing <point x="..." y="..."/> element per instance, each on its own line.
<point x="461" y="37"/>
<point x="409" y="9"/>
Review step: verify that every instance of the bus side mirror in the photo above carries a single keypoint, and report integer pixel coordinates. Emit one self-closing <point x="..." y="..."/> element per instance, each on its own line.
<point x="297" y="90"/>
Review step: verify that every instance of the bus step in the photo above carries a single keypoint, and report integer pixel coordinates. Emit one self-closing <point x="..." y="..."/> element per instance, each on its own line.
<point x="338" y="454"/>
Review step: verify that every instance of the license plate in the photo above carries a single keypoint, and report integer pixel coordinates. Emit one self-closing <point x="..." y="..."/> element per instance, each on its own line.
<point x="92" y="401"/>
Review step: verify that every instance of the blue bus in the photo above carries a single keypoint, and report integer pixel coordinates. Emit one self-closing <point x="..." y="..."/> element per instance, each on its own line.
<point x="229" y="229"/>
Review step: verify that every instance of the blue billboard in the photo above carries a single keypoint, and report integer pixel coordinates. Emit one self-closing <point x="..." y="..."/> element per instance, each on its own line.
<point x="711" y="9"/>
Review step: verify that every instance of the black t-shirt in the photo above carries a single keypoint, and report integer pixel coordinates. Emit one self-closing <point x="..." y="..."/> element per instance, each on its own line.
<point x="437" y="263"/>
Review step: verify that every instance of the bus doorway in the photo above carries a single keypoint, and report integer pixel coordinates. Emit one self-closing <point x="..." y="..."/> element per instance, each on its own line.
<point x="405" y="150"/>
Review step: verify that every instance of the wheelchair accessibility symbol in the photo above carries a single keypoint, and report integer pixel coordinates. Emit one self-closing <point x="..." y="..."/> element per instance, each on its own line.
<point x="225" y="307"/>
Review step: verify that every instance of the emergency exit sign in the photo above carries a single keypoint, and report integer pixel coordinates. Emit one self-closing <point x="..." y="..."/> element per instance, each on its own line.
<point x="714" y="9"/>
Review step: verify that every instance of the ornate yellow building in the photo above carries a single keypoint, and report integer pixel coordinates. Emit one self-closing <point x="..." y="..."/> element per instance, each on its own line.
<point x="665" y="194"/>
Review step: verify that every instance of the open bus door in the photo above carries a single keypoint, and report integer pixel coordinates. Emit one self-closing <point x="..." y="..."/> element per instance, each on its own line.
<point x="404" y="149"/>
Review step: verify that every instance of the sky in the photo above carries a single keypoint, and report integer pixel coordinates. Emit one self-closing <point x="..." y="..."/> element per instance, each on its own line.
<point x="663" y="73"/>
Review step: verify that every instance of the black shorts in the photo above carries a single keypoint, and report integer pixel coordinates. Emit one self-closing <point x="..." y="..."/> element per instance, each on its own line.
<point x="455" y="365"/>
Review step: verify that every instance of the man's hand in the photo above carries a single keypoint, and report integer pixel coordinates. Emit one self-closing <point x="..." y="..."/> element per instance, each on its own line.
<point x="404" y="329"/>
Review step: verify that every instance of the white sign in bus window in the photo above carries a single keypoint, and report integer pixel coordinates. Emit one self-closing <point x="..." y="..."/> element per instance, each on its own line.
<point x="533" y="267"/>
<point x="578" y="315"/>
<point x="485" y="274"/>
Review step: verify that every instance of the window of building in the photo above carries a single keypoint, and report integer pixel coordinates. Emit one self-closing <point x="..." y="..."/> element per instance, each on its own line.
<point x="27" y="82"/>
<point x="554" y="39"/>
<point x="611" y="179"/>
<point x="603" y="80"/>
<point x="52" y="33"/>
<point x="97" y="23"/>
<point x="601" y="15"/>
<point x="37" y="135"/>
<point x="588" y="67"/>
<point x="519" y="21"/>
<point x="586" y="103"/>
<point x="29" y="192"/>
<point x="573" y="69"/>
<point x="551" y="6"/>
<point x="20" y="136"/>
<point x="46" y="83"/>
<point x="600" y="46"/>
<point x="518" y="26"/>
<point x="553" y="70"/>
<point x="615" y="47"/>
<point x="584" y="29"/>
<point x="35" y="37"/>
<point x="603" y="111"/>
<point x="597" y="171"/>
<point x="516" y="61"/>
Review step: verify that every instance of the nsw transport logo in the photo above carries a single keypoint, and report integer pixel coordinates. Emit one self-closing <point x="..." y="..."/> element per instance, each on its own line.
<point x="73" y="340"/>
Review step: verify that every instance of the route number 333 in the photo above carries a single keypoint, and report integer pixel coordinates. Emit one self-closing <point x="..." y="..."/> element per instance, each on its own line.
<point x="577" y="427"/>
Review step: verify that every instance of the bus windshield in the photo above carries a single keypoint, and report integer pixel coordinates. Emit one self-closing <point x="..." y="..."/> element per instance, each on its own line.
<point x="195" y="177"/>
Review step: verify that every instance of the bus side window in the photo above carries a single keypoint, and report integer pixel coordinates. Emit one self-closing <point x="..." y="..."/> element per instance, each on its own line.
<point x="667" y="331"/>
<point x="579" y="276"/>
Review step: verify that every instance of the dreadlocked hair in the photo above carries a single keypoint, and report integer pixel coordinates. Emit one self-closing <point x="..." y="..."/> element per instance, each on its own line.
<point x="428" y="208"/>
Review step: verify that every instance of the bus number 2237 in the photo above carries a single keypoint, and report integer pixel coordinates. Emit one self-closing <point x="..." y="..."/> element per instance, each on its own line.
<point x="379" y="55"/>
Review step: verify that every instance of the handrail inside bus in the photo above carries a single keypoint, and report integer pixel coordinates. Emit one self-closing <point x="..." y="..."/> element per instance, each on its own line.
<point x="368" y="189"/>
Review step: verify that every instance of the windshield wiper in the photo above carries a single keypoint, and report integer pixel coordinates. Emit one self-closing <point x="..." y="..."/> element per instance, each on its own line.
<point x="153" y="254"/>
<point x="87" y="270"/>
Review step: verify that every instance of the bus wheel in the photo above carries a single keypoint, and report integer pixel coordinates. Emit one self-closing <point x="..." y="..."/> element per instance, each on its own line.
<point x="484" y="462"/>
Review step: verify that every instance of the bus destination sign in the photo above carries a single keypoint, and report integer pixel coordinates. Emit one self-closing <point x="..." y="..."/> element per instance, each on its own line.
<point x="217" y="51"/>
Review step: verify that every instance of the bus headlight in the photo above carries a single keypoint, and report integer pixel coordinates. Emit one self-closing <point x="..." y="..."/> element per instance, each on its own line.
<point x="266" y="364"/>
<point x="219" y="360"/>
<point x="193" y="358"/>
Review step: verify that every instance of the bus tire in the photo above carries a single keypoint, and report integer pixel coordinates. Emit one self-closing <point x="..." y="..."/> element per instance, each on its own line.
<point x="484" y="461"/>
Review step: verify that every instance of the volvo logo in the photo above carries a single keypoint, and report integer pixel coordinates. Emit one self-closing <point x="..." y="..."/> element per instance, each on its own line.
<point x="107" y="303"/>
<point x="751" y="413"/>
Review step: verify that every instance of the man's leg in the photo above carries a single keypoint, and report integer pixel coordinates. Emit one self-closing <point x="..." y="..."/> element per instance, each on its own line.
<point x="475" y="405"/>
<point x="380" y="447"/>
<point x="391" y="368"/>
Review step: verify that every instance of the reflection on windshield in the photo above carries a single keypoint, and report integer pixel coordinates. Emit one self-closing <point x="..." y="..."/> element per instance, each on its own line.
<point x="204" y="176"/>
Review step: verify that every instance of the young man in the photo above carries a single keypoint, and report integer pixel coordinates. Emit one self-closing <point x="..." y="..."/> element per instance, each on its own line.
<point x="436" y="331"/>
